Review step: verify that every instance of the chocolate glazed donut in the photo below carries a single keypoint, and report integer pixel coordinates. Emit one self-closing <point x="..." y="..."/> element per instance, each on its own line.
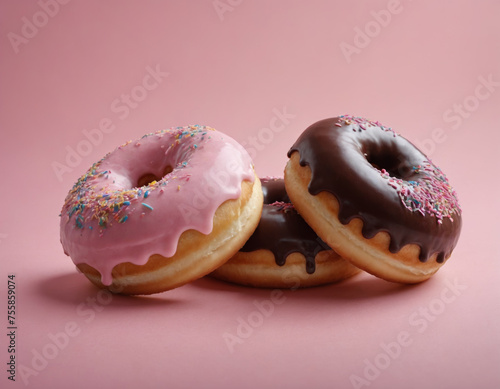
<point x="282" y="230"/>
<point x="283" y="251"/>
<point x="382" y="180"/>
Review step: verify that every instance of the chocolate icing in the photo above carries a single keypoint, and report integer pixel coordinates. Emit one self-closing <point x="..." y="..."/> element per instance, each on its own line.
<point x="282" y="230"/>
<point x="346" y="158"/>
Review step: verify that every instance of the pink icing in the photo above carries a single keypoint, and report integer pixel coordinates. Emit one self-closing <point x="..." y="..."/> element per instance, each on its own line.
<point x="107" y="219"/>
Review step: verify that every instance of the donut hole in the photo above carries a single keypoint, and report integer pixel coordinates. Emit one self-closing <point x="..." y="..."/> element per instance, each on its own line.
<point x="148" y="178"/>
<point x="394" y="164"/>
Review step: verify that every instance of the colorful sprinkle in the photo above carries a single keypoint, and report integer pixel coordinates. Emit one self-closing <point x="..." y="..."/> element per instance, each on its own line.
<point x="429" y="193"/>
<point x="362" y="124"/>
<point x="147" y="206"/>
<point x="282" y="206"/>
<point x="79" y="221"/>
<point x="89" y="203"/>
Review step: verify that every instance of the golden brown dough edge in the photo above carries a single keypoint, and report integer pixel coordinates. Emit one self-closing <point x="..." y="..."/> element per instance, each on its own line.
<point x="259" y="269"/>
<point x="197" y="254"/>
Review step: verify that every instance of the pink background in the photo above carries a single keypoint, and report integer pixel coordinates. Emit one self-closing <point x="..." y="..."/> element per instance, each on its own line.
<point x="234" y="71"/>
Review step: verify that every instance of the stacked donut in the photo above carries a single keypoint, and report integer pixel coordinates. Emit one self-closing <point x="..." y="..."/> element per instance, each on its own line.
<point x="182" y="203"/>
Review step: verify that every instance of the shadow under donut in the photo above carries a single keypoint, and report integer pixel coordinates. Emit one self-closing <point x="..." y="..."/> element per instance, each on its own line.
<point x="73" y="289"/>
<point x="362" y="286"/>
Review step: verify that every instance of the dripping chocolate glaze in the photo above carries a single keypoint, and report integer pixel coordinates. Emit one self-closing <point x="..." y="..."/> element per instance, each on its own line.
<point x="282" y="230"/>
<point x="346" y="161"/>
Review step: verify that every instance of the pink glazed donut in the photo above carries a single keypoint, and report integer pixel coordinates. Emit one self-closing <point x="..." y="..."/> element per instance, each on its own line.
<point x="162" y="211"/>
